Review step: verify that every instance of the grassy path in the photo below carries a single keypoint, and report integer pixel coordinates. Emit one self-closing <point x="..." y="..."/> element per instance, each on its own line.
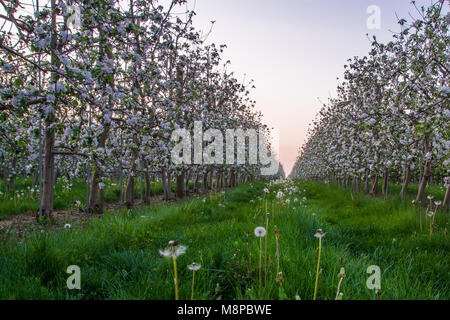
<point x="118" y="255"/>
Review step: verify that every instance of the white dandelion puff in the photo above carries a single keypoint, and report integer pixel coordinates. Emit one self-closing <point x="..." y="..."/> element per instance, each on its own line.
<point x="194" y="266"/>
<point x="260" y="232"/>
<point x="173" y="250"/>
<point x="319" y="233"/>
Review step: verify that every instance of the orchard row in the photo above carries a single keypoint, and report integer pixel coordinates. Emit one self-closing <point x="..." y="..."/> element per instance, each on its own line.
<point x="390" y="119"/>
<point x="94" y="89"/>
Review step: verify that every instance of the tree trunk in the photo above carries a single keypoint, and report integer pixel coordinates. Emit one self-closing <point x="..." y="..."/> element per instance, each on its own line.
<point x="197" y="176"/>
<point x="129" y="192"/>
<point x="406" y="181"/>
<point x="36" y="178"/>
<point x="94" y="190"/>
<point x="385" y="181"/>
<point x="186" y="183"/>
<point x="94" y="205"/>
<point x="49" y="133"/>
<point x="374" y="190"/>
<point x="424" y="181"/>
<point x="180" y="185"/>
<point x="218" y="182"/>
<point x="446" y="201"/>
<point x="210" y="182"/>
<point x="47" y="175"/>
<point x="204" y="182"/>
<point x="425" y="176"/>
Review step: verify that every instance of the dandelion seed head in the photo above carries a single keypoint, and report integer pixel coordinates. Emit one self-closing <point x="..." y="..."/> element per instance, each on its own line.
<point x="166" y="253"/>
<point x="260" y="232"/>
<point x="194" y="266"/>
<point x="319" y="233"/>
<point x="173" y="250"/>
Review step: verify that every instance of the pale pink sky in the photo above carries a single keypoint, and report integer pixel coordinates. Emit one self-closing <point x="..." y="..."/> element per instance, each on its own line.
<point x="294" y="50"/>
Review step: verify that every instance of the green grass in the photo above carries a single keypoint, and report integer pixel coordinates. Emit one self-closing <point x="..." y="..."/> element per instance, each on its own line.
<point x="435" y="190"/>
<point x="25" y="197"/>
<point x="118" y="254"/>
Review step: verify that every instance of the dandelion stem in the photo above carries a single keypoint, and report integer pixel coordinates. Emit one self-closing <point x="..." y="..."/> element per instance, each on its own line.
<point x="260" y="257"/>
<point x="318" y="268"/>
<point x="175" y="277"/>
<point x="265" y="250"/>
<point x="192" y="291"/>
<point x="339" y="288"/>
<point x="431" y="226"/>
<point x="278" y="255"/>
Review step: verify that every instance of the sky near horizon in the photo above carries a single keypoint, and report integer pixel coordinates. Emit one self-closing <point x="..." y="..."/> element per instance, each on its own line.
<point x="294" y="50"/>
